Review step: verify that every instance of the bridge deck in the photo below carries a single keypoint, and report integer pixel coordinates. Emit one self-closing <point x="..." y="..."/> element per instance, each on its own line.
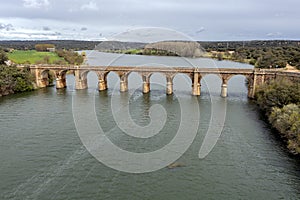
<point x="145" y="69"/>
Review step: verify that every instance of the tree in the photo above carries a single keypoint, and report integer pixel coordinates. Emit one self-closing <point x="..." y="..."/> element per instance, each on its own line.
<point x="44" y="47"/>
<point x="3" y="57"/>
<point x="287" y="121"/>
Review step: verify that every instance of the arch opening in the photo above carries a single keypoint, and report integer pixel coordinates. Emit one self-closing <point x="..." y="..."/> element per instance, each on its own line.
<point x="92" y="79"/>
<point x="211" y="85"/>
<point x="238" y="87"/>
<point x="47" y="78"/>
<point x="158" y="82"/>
<point x="182" y="83"/>
<point x="135" y="81"/>
<point x="113" y="80"/>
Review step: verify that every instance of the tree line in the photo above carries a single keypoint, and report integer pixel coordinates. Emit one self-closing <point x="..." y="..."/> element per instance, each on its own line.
<point x="280" y="101"/>
<point x="71" y="57"/>
<point x="264" y="57"/>
<point x="59" y="44"/>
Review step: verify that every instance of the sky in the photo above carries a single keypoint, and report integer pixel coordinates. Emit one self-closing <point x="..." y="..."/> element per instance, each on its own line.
<point x="208" y="20"/>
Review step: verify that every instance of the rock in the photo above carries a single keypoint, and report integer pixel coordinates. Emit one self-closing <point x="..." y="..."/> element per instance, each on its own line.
<point x="175" y="165"/>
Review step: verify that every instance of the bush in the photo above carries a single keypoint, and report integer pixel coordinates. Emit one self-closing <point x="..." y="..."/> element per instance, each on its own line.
<point x="287" y="121"/>
<point x="14" y="80"/>
<point x="44" y="47"/>
<point x="3" y="57"/>
<point x="71" y="57"/>
<point x="277" y="94"/>
<point x="281" y="102"/>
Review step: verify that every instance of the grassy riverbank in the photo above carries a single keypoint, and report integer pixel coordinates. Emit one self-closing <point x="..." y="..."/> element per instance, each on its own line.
<point x="280" y="101"/>
<point x="33" y="57"/>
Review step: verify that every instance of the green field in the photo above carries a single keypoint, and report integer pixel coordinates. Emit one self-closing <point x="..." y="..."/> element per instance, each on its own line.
<point x="33" y="57"/>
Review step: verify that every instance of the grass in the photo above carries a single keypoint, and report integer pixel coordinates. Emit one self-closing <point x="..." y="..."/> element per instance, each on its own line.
<point x="33" y="57"/>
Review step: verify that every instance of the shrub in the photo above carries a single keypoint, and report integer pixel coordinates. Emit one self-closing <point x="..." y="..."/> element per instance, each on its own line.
<point x="14" y="80"/>
<point x="3" y="57"/>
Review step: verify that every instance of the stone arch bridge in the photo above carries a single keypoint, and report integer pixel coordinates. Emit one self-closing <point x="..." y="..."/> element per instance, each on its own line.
<point x="254" y="77"/>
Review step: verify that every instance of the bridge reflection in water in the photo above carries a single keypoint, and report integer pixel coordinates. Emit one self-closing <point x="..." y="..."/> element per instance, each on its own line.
<point x="255" y="77"/>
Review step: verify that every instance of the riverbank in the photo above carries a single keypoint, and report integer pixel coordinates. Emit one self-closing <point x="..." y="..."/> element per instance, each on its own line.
<point x="14" y="80"/>
<point x="280" y="102"/>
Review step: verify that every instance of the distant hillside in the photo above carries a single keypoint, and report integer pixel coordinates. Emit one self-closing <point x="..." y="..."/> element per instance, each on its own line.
<point x="233" y="45"/>
<point x="116" y="45"/>
<point x="180" y="48"/>
<point x="59" y="44"/>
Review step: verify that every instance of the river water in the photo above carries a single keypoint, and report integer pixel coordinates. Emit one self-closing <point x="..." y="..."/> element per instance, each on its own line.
<point x="43" y="157"/>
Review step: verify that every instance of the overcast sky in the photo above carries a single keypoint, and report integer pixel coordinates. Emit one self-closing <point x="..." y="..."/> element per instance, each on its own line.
<point x="196" y="19"/>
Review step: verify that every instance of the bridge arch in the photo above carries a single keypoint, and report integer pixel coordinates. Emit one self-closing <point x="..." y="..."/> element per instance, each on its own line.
<point x="46" y="77"/>
<point x="135" y="80"/>
<point x="211" y="84"/>
<point x="183" y="82"/>
<point x="158" y="80"/>
<point x="112" y="79"/>
<point x="239" y="84"/>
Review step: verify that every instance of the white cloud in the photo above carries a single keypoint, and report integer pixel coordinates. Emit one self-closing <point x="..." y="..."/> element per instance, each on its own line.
<point x="35" y="3"/>
<point x="275" y="34"/>
<point x="92" y="6"/>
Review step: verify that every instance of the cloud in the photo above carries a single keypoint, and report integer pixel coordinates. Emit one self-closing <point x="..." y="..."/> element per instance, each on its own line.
<point x="91" y="6"/>
<point x="275" y="34"/>
<point x="7" y="27"/>
<point x="46" y="28"/>
<point x="83" y="29"/>
<point x="35" y="3"/>
<point x="201" y="29"/>
<point x="29" y="34"/>
<point x="235" y="20"/>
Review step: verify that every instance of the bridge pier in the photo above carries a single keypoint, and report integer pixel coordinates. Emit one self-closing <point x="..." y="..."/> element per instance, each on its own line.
<point x="102" y="82"/>
<point x="123" y="83"/>
<point x="146" y="84"/>
<point x="41" y="80"/>
<point x="251" y="92"/>
<point x="196" y="91"/>
<point x="102" y="85"/>
<point x="169" y="85"/>
<point x="60" y="81"/>
<point x="80" y="81"/>
<point x="224" y="90"/>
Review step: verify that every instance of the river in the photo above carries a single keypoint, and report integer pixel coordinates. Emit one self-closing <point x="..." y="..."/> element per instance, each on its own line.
<point x="43" y="157"/>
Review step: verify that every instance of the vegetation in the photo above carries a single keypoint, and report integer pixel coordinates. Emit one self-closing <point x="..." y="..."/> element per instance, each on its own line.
<point x="71" y="57"/>
<point x="14" y="80"/>
<point x="280" y="100"/>
<point x="44" y="47"/>
<point x="263" y="57"/>
<point x="34" y="57"/>
<point x="3" y="57"/>
<point x="59" y="44"/>
<point x="148" y="52"/>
